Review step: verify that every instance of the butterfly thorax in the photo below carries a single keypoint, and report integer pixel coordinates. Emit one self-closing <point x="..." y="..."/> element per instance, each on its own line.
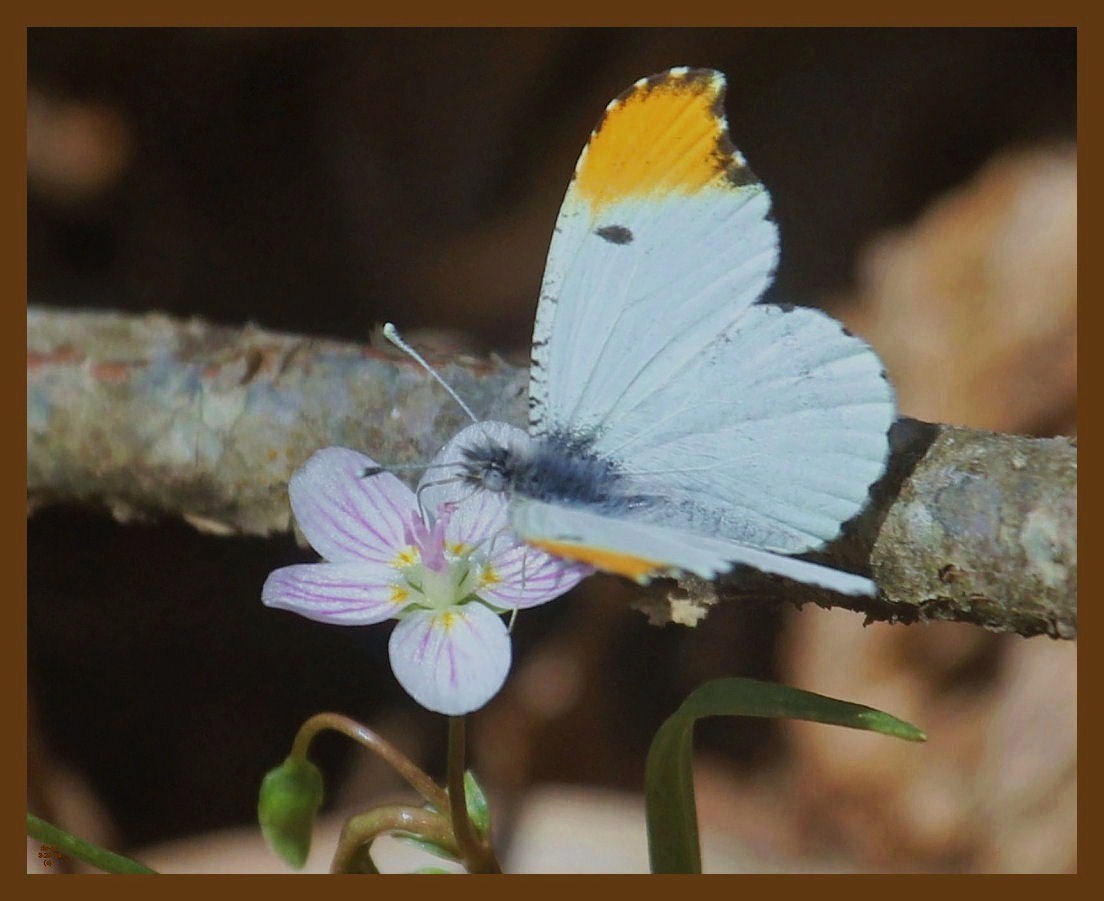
<point x="557" y="467"/>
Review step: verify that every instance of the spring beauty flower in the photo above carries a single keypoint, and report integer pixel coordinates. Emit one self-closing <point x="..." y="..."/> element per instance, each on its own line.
<point x="447" y="578"/>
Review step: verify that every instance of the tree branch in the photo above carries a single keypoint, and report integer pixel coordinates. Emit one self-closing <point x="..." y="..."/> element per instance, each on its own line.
<point x="151" y="416"/>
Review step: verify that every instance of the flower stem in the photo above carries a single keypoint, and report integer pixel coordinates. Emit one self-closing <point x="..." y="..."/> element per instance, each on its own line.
<point x="402" y="764"/>
<point x="478" y="855"/>
<point x="68" y="843"/>
<point x="353" y="853"/>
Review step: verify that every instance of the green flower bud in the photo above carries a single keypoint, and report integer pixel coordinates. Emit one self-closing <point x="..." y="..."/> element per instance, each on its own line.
<point x="478" y="810"/>
<point x="290" y="797"/>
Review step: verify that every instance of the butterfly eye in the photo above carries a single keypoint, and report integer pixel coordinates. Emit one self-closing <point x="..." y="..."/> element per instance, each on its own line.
<point x="495" y="477"/>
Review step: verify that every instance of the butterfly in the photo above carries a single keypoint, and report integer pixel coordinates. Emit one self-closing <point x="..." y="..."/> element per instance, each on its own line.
<point x="677" y="424"/>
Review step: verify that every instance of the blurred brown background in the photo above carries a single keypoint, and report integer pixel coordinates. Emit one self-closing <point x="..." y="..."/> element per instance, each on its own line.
<point x="321" y="181"/>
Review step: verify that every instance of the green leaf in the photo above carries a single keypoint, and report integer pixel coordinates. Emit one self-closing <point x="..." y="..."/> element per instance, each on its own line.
<point x="669" y="784"/>
<point x="67" y="843"/>
<point x="433" y="871"/>
<point x="478" y="811"/>
<point x="289" y="799"/>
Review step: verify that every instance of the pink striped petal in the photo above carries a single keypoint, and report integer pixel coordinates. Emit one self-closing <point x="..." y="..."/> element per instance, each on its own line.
<point x="526" y="576"/>
<point x="480" y="521"/>
<point x="345" y="594"/>
<point x="451" y="661"/>
<point x="348" y="517"/>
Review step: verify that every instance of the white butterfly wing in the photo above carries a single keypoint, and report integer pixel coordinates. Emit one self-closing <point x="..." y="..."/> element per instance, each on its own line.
<point x="662" y="239"/>
<point x="771" y="437"/>
<point x="758" y="425"/>
<point x="642" y="549"/>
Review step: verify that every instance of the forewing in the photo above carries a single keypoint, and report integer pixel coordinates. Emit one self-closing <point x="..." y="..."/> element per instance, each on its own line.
<point x="662" y="242"/>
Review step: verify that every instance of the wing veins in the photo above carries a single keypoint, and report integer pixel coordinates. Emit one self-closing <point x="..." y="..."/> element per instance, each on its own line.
<point x="675" y="338"/>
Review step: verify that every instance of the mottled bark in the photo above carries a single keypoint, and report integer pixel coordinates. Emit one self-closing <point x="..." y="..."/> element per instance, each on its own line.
<point x="151" y="416"/>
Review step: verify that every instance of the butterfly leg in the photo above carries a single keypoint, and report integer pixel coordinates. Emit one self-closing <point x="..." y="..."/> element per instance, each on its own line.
<point x="435" y="484"/>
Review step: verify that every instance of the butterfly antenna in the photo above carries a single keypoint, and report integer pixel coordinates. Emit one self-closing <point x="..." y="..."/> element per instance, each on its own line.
<point x="368" y="471"/>
<point x="392" y="334"/>
<point x="436" y="484"/>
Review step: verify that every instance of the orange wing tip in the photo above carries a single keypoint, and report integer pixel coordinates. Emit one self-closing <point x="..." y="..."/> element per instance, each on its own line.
<point x="608" y="561"/>
<point x="667" y="134"/>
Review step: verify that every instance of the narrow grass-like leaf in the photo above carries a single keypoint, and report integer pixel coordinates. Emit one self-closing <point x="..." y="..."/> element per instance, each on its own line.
<point x="67" y="843"/>
<point x="669" y="782"/>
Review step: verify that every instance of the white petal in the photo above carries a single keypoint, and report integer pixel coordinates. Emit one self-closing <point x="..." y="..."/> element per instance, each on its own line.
<point x="346" y="594"/>
<point x="346" y="516"/>
<point x="447" y="469"/>
<point x="527" y="576"/>
<point x="480" y="521"/>
<point x="451" y="661"/>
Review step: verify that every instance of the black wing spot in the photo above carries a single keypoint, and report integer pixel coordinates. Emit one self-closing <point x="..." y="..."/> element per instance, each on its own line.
<point x="615" y="234"/>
